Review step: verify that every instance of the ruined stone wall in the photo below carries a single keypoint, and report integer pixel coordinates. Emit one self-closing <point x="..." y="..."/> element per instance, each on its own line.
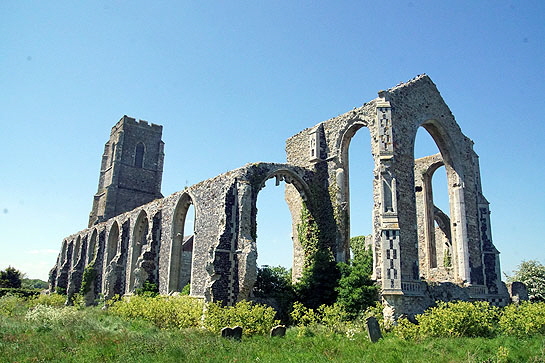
<point x="144" y="244"/>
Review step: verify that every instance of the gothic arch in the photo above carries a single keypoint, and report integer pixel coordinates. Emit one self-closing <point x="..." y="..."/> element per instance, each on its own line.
<point x="77" y="252"/>
<point x="181" y="251"/>
<point x="92" y="246"/>
<point x="113" y="242"/>
<point x="139" y="240"/>
<point x="342" y="180"/>
<point x="449" y="157"/>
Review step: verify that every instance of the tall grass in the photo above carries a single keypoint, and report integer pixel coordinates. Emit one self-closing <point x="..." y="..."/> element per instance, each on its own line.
<point x="37" y="332"/>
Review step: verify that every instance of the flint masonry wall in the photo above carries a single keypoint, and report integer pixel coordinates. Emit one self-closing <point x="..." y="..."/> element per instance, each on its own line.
<point x="145" y="243"/>
<point x="401" y="254"/>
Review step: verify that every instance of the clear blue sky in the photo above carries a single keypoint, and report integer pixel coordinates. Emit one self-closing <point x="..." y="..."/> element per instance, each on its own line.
<point x="231" y="80"/>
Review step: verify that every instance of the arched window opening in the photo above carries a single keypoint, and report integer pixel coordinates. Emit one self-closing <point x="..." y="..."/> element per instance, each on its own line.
<point x="359" y="170"/>
<point x="274" y="228"/>
<point x="76" y="253"/>
<point x="280" y="255"/>
<point x="91" y="247"/>
<point x="139" y="155"/>
<point x="433" y="209"/>
<point x="63" y="252"/>
<point x="140" y="239"/>
<point x="183" y="235"/>
<point x="113" y="239"/>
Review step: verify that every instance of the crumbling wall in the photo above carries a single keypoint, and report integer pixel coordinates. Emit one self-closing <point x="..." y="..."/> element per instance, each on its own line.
<point x="145" y="244"/>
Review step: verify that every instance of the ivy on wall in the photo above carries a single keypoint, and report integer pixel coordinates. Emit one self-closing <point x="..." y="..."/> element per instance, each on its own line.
<point x="320" y="271"/>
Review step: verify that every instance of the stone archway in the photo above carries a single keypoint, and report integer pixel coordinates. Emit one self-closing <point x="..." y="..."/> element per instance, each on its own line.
<point x="138" y="241"/>
<point x="181" y="251"/>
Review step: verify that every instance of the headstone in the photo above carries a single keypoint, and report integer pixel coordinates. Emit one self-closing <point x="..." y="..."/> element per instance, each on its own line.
<point x="373" y="329"/>
<point x="278" y="331"/>
<point x="235" y="333"/>
<point x="518" y="292"/>
<point x="226" y="332"/>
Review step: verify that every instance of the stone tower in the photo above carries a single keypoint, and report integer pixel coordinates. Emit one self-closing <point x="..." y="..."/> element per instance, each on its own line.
<point x="131" y="169"/>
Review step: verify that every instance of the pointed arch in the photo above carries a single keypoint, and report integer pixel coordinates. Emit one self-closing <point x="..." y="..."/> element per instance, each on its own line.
<point x="343" y="181"/>
<point x="181" y="255"/>
<point x="113" y="242"/>
<point x="457" y="246"/>
<point x="77" y="252"/>
<point x="92" y="247"/>
<point x="139" y="240"/>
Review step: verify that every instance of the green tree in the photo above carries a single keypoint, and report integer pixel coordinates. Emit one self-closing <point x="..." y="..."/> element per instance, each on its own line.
<point x="275" y="283"/>
<point x="532" y="274"/>
<point x="11" y="277"/>
<point x="34" y="284"/>
<point x="356" y="290"/>
<point x="320" y="272"/>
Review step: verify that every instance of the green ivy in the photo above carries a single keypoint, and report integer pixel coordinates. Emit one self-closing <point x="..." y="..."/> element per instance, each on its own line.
<point x="320" y="272"/>
<point x="89" y="275"/>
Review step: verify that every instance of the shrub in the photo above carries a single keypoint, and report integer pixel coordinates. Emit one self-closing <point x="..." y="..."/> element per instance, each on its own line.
<point x="532" y="274"/>
<point x="303" y="316"/>
<point x="524" y="319"/>
<point x="163" y="311"/>
<point x="273" y="286"/>
<point x="356" y="289"/>
<point x="46" y="317"/>
<point x="47" y="299"/>
<point x="22" y="292"/>
<point x="453" y="319"/>
<point x="253" y="318"/>
<point x="148" y="289"/>
<point x="333" y="317"/>
<point x="11" y="305"/>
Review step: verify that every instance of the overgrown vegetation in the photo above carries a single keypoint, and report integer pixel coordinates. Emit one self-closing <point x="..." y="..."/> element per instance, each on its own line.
<point x="41" y="329"/>
<point x="273" y="286"/>
<point x="163" y="311"/>
<point x="10" y="278"/>
<point x="320" y="272"/>
<point x="475" y="319"/>
<point x="356" y="290"/>
<point x="532" y="274"/>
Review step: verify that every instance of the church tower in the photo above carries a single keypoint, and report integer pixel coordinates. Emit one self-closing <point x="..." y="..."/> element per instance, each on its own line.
<point x="131" y="169"/>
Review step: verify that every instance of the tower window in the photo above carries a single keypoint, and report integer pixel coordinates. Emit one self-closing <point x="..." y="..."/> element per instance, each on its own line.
<point x="139" y="155"/>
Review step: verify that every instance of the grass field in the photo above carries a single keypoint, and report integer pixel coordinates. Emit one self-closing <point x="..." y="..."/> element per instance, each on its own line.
<point x="93" y="335"/>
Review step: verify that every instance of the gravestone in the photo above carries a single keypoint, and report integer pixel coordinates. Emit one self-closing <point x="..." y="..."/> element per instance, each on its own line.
<point x="373" y="329"/>
<point x="518" y="292"/>
<point x="278" y="331"/>
<point x="235" y="333"/>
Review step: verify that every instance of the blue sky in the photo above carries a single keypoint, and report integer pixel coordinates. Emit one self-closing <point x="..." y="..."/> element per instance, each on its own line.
<point x="231" y="80"/>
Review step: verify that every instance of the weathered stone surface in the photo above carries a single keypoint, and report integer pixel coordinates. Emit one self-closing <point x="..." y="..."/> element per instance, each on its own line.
<point x="518" y="292"/>
<point x="233" y="333"/>
<point x="373" y="329"/>
<point x="278" y="331"/>
<point x="130" y="244"/>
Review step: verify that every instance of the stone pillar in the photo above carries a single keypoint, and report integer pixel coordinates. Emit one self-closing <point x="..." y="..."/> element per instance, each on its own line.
<point x="389" y="224"/>
<point x="460" y="234"/>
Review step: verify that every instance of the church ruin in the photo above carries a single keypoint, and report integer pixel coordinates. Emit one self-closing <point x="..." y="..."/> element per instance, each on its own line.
<point x="421" y="253"/>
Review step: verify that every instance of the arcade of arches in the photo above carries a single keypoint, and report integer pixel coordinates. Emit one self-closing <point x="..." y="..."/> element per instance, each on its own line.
<point x="421" y="253"/>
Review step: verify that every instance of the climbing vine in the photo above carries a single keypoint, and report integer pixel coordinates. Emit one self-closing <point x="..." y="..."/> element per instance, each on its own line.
<point x="320" y="272"/>
<point x="89" y="276"/>
<point x="308" y="233"/>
